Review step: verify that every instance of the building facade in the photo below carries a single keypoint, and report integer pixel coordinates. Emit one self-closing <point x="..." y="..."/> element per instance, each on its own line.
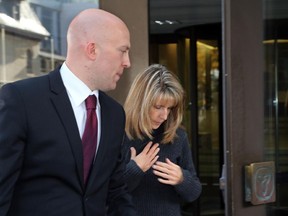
<point x="233" y="66"/>
<point x="33" y="36"/>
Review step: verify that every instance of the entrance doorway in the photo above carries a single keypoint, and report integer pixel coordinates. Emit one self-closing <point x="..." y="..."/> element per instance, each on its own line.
<point x="194" y="54"/>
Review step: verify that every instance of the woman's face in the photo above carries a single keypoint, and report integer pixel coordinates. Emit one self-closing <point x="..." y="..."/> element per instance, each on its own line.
<point x="159" y="112"/>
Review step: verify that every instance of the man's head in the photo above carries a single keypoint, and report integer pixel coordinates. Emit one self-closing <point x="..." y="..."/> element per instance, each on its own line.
<point x="98" y="48"/>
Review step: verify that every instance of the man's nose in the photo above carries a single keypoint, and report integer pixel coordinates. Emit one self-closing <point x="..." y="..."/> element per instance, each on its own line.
<point x="126" y="61"/>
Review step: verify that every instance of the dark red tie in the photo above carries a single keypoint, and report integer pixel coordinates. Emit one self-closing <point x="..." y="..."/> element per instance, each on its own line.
<point x="89" y="138"/>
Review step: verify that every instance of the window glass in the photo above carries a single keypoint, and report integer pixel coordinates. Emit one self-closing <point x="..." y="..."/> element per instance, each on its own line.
<point x="33" y="35"/>
<point x="276" y="97"/>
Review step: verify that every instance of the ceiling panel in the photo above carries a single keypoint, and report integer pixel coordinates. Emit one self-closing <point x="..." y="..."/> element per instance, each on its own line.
<point x="184" y="12"/>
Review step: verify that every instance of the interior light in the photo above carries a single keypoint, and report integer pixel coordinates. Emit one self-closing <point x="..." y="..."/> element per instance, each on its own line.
<point x="275" y="41"/>
<point x="169" y="22"/>
<point x="159" y="22"/>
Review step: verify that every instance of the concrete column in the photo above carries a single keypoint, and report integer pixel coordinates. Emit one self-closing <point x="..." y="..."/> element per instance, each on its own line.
<point x="135" y="15"/>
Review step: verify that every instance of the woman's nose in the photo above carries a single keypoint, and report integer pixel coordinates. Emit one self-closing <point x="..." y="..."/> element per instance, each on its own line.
<point x="164" y="114"/>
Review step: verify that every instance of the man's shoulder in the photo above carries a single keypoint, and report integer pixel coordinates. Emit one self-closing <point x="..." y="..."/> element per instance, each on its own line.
<point x="30" y="86"/>
<point x="106" y="99"/>
<point x="25" y="84"/>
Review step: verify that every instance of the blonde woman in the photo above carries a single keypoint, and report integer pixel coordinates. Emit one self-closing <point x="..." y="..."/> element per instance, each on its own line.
<point x="160" y="171"/>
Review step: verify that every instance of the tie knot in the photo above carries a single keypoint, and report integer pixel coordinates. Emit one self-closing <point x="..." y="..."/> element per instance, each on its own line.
<point x="91" y="102"/>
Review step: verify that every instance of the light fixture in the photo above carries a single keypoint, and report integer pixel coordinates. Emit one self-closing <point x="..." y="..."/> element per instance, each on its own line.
<point x="166" y="22"/>
<point x="159" y="22"/>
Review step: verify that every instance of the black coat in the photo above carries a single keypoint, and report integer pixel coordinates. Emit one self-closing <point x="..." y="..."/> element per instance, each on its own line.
<point x="41" y="154"/>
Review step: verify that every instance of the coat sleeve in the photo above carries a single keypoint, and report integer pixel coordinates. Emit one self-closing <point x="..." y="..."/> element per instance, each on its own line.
<point x="133" y="173"/>
<point x="120" y="203"/>
<point x="190" y="189"/>
<point x="12" y="143"/>
<point x="119" y="200"/>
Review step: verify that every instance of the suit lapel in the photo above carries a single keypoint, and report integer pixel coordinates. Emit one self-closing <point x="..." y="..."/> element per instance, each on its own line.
<point x="65" y="112"/>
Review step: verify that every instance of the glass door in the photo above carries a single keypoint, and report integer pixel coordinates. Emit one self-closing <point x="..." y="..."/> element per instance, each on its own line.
<point x="194" y="54"/>
<point x="208" y="107"/>
<point x="276" y="98"/>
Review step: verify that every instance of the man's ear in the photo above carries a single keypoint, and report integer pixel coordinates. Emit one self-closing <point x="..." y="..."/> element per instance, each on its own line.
<point x="91" y="51"/>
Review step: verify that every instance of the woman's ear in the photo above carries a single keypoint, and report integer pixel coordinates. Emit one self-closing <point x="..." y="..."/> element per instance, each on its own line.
<point x="91" y="51"/>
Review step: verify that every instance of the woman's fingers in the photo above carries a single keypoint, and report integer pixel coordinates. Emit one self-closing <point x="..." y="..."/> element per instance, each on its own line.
<point x="147" y="157"/>
<point x="133" y="153"/>
<point x="169" y="172"/>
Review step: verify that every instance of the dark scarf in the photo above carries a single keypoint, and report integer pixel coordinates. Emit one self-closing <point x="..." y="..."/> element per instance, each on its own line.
<point x="158" y="134"/>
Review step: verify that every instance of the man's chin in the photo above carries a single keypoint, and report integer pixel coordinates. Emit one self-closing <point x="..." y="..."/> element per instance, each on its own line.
<point x="110" y="88"/>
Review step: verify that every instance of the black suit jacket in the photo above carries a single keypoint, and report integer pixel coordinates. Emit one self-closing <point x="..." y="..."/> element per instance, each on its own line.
<point x="41" y="154"/>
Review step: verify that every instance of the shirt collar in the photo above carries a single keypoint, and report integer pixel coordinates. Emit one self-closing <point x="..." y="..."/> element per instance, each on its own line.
<point x="77" y="90"/>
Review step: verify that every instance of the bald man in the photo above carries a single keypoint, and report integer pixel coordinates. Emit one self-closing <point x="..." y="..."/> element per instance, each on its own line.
<point x="42" y="121"/>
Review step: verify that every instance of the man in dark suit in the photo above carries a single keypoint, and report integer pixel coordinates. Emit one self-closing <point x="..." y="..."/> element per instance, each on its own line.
<point x="42" y="122"/>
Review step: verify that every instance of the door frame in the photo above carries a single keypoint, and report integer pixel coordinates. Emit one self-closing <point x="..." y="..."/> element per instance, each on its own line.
<point x="243" y="99"/>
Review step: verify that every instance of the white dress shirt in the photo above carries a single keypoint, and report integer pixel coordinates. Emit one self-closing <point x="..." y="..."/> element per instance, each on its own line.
<point x="78" y="92"/>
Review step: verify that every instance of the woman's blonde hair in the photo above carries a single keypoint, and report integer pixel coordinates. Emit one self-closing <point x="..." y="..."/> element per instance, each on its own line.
<point x="154" y="84"/>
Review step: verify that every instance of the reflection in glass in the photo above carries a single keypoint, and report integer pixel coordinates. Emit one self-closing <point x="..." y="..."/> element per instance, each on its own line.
<point x="208" y="73"/>
<point x="276" y="98"/>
